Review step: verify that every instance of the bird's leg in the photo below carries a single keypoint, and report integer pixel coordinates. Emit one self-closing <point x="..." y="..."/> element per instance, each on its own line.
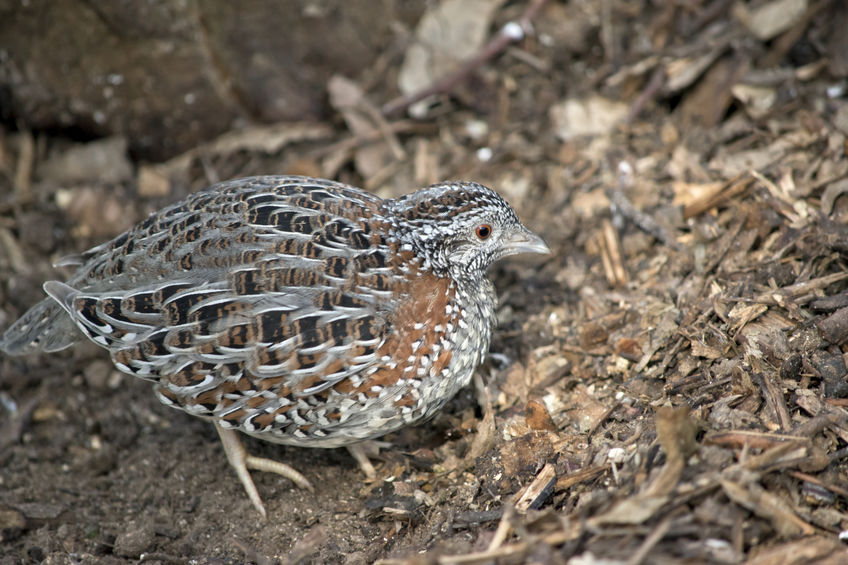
<point x="358" y="451"/>
<point x="241" y="462"/>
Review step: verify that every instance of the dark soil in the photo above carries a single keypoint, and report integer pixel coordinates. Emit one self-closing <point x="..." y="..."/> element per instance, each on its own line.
<point x="668" y="386"/>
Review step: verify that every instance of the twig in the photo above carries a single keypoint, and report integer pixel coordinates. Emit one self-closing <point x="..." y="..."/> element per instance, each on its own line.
<point x="516" y="550"/>
<point x="737" y="439"/>
<point x="504" y="527"/>
<point x="831" y="193"/>
<point x="623" y="206"/>
<point x="601" y="419"/>
<point x="774" y="397"/>
<point x="651" y="89"/>
<point x="160" y="558"/>
<point x="836" y="489"/>
<point x="799" y="289"/>
<point x="357" y="140"/>
<point x="824" y="419"/>
<point x="385" y="128"/>
<point x="724" y="192"/>
<point x="512" y="32"/>
<point x="608" y="34"/>
<point x="586" y="474"/>
<point x="656" y="536"/>
<point x="537" y="492"/>
<point x="610" y="246"/>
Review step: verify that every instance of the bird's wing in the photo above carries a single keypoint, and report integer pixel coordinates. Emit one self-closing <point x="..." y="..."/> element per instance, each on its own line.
<point x="253" y="290"/>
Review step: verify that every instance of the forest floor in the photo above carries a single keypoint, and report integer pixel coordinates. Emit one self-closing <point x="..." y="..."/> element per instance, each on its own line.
<point x="669" y="385"/>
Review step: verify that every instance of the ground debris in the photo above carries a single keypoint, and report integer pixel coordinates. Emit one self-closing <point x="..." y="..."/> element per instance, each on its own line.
<point x="670" y="385"/>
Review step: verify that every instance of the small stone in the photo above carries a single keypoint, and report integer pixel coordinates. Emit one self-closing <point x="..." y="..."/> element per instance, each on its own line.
<point x="138" y="538"/>
<point x="152" y="183"/>
<point x="97" y="374"/>
<point x="356" y="558"/>
<point x="12" y="524"/>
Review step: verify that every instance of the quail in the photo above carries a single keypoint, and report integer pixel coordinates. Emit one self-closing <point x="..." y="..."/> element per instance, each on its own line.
<point x="297" y="310"/>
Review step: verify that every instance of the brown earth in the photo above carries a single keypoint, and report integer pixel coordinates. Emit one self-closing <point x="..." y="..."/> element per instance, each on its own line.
<point x="668" y="386"/>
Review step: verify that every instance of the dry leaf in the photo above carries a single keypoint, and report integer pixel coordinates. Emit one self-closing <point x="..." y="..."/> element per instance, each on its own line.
<point x="766" y="505"/>
<point x="578" y="117"/>
<point x="770" y="19"/>
<point x="538" y="417"/>
<point x="450" y="31"/>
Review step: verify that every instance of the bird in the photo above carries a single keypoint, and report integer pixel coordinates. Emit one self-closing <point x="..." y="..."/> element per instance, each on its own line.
<point x="297" y="310"/>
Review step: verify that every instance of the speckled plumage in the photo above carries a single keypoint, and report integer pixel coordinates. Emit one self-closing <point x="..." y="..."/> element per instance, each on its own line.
<point x="297" y="310"/>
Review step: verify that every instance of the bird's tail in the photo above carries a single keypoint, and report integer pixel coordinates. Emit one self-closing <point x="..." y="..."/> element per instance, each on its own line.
<point x="44" y="327"/>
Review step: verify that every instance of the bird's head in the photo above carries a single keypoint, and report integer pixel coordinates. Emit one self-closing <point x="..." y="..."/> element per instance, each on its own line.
<point x="460" y="228"/>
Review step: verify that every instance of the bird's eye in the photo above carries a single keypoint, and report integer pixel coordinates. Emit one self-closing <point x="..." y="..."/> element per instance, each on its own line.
<point x="483" y="231"/>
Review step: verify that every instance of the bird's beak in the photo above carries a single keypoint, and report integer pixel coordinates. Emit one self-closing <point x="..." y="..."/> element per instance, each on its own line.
<point x="524" y="241"/>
